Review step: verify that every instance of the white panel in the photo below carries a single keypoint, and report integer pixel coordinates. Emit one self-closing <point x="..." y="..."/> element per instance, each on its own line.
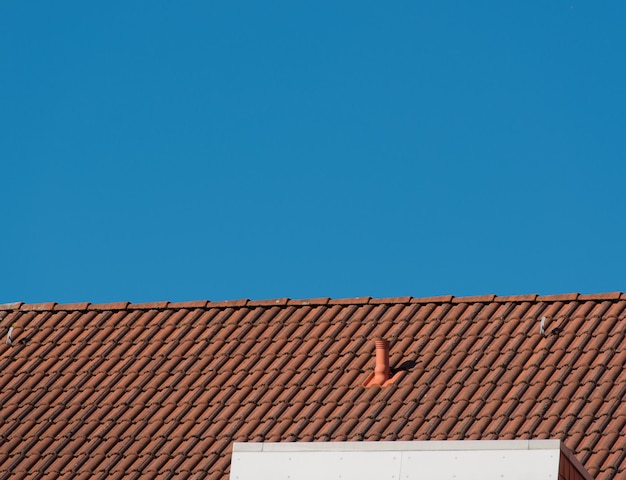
<point x="449" y="460"/>
<point x="315" y="466"/>
<point x="481" y="465"/>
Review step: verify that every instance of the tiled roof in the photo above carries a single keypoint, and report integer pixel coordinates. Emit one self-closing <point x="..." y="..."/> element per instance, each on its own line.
<point x="147" y="390"/>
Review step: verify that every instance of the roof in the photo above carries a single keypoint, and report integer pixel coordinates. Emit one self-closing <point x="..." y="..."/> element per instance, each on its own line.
<point x="130" y="390"/>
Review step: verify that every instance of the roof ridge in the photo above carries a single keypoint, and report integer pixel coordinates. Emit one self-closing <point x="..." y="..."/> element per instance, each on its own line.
<point x="285" y="301"/>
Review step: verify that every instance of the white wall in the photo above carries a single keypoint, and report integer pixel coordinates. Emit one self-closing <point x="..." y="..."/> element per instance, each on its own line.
<point x="435" y="460"/>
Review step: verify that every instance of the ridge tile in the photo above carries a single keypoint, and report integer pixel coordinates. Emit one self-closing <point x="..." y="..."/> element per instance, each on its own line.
<point x="11" y="306"/>
<point x="601" y="296"/>
<point x="350" y="301"/>
<point x="439" y="299"/>
<point x="268" y="303"/>
<point x="38" y="307"/>
<point x="391" y="300"/>
<point x="474" y="299"/>
<point x="310" y="301"/>
<point x="68" y="307"/>
<point x="567" y="297"/>
<point x="102" y="307"/>
<point x="229" y="303"/>
<point x="516" y="298"/>
<point x="188" y="305"/>
<point x="148" y="306"/>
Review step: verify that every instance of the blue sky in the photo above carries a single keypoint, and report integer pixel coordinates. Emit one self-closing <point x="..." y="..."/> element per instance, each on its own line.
<point x="223" y="150"/>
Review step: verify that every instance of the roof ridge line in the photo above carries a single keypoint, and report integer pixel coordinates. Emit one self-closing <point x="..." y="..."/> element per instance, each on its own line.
<point x="322" y="301"/>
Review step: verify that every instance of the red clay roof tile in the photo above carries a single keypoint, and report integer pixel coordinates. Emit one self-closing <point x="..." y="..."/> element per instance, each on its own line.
<point x="601" y="296"/>
<point x="148" y="306"/>
<point x="516" y="298"/>
<point x="350" y="301"/>
<point x="105" y="307"/>
<point x="391" y="300"/>
<point x="153" y="387"/>
<point x="567" y="297"/>
<point x="188" y="305"/>
<point x="68" y="307"/>
<point x="475" y="299"/>
<point x="439" y="299"/>
<point x="38" y="307"/>
<point x="11" y="306"/>
<point x="309" y="302"/>
<point x="228" y="303"/>
<point x="268" y="303"/>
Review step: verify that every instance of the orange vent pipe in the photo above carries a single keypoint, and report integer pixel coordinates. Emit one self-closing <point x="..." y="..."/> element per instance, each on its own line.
<point x="381" y="370"/>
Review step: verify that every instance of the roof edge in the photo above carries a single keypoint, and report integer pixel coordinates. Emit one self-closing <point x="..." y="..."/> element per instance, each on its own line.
<point x="411" y="445"/>
<point x="324" y="301"/>
<point x="575" y="462"/>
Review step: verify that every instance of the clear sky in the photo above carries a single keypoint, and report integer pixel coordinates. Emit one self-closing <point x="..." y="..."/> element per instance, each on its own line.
<point x="158" y="150"/>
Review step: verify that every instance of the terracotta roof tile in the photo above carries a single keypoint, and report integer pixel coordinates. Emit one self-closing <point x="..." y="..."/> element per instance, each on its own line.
<point x="475" y="299"/>
<point x="68" y="307"/>
<point x="148" y="306"/>
<point x="439" y="299"/>
<point x="11" y="306"/>
<point x="391" y="300"/>
<point x="310" y="301"/>
<point x="268" y="303"/>
<point x="121" y="389"/>
<point x="601" y="296"/>
<point x="188" y="305"/>
<point x="38" y="307"/>
<point x="350" y="301"/>
<point x="516" y="298"/>
<point x="106" y="307"/>
<point x="228" y="303"/>
<point x="567" y="297"/>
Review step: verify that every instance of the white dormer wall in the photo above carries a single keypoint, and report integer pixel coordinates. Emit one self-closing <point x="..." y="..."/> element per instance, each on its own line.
<point x="426" y="460"/>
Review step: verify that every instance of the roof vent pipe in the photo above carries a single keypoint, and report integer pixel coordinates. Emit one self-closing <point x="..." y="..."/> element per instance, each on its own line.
<point x="382" y="372"/>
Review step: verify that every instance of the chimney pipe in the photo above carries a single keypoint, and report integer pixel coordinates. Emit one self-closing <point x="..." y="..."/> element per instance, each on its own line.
<point x="381" y="370"/>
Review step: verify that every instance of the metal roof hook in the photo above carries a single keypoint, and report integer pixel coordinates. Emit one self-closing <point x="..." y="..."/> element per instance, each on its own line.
<point x="10" y="335"/>
<point x="542" y="327"/>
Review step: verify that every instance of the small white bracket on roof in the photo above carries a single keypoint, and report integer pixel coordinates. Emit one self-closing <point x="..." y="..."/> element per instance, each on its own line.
<point x="542" y="329"/>
<point x="10" y="336"/>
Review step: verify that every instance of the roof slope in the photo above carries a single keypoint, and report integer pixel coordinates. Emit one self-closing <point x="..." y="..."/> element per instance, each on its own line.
<point x="158" y="389"/>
